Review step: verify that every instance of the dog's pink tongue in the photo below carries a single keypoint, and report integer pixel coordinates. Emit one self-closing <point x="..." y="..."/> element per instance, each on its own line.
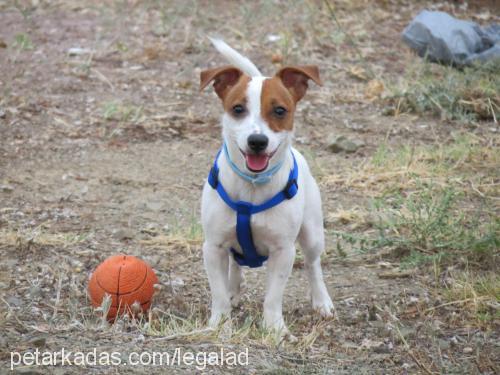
<point x="257" y="162"/>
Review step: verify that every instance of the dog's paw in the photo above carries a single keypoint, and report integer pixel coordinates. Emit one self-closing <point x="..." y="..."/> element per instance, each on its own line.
<point x="236" y="292"/>
<point x="236" y="295"/>
<point x="235" y="299"/>
<point x="280" y="332"/>
<point x="216" y="318"/>
<point x="275" y="322"/>
<point x="324" y="307"/>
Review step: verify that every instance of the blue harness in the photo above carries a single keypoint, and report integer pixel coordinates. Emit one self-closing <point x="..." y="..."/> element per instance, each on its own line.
<point x="245" y="210"/>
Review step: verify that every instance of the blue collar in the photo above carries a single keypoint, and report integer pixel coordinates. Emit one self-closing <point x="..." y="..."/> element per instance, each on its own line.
<point x="245" y="210"/>
<point x="254" y="178"/>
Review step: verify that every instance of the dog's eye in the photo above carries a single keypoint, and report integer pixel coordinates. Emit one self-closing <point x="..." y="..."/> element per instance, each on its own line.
<point x="279" y="112"/>
<point x="238" y="110"/>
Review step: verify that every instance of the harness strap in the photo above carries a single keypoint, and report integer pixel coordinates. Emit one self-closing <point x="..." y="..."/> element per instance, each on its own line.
<point x="245" y="210"/>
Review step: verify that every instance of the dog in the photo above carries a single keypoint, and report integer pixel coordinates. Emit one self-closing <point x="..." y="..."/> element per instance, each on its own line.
<point x="253" y="209"/>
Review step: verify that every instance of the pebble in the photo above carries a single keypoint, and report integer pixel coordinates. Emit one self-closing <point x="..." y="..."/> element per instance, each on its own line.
<point x="123" y="234"/>
<point x="444" y="345"/>
<point x="342" y="143"/>
<point x="38" y="341"/>
<point x="6" y="188"/>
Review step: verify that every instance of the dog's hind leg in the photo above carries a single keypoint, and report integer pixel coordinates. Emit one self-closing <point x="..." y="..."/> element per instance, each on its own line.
<point x="236" y="282"/>
<point x="312" y="241"/>
<point x="216" y="265"/>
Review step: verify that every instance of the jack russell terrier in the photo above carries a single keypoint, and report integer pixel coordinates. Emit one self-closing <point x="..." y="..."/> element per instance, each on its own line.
<point x="260" y="196"/>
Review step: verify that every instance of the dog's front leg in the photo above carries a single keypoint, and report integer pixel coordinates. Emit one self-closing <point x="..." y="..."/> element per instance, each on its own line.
<point x="236" y="282"/>
<point x="279" y="267"/>
<point x="216" y="260"/>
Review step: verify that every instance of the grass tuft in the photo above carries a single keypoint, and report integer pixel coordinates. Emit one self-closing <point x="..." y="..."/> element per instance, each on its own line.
<point x="466" y="95"/>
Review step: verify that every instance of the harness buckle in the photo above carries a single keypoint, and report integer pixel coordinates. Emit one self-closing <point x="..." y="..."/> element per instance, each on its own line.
<point x="291" y="188"/>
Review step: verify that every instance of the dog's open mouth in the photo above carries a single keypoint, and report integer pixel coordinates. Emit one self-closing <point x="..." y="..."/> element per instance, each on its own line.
<point x="257" y="162"/>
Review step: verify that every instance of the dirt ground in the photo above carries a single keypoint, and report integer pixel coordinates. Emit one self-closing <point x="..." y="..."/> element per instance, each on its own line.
<point x="105" y="149"/>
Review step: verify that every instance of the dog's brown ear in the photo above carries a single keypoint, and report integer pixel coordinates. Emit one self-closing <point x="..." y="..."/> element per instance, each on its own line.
<point x="295" y="79"/>
<point x="224" y="78"/>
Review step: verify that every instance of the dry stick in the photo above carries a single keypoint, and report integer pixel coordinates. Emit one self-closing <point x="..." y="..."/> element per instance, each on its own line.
<point x="11" y="310"/>
<point x="103" y="78"/>
<point x="420" y="364"/>
<point x="184" y="334"/>
<point x="492" y="111"/>
<point x="410" y="352"/>
<point x="349" y="38"/>
<point x="453" y="303"/>
<point x="58" y="296"/>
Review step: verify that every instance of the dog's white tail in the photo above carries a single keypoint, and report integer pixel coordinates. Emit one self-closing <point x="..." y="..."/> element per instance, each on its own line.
<point x="235" y="58"/>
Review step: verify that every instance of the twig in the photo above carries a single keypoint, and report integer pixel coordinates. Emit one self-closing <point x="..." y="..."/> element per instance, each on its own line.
<point x="410" y="352"/>
<point x="453" y="303"/>
<point x="184" y="334"/>
<point x="492" y="112"/>
<point x="420" y="364"/>
<point x="11" y="310"/>
<point x="58" y="296"/>
<point x="103" y="78"/>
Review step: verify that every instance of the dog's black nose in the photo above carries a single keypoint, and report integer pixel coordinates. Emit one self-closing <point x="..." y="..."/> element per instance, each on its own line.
<point x="257" y="142"/>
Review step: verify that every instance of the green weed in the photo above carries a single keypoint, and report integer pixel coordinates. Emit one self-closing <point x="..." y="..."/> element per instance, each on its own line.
<point x="121" y="112"/>
<point x="429" y="226"/>
<point x="466" y="95"/>
<point x="23" y="42"/>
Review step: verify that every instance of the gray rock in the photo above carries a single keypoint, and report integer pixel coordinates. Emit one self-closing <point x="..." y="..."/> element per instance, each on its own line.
<point x="6" y="188"/>
<point x="38" y="341"/>
<point x="154" y="206"/>
<point x="123" y="234"/>
<point x="444" y="344"/>
<point x="342" y="143"/>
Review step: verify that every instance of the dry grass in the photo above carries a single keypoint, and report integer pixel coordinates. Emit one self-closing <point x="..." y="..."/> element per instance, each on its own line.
<point x="477" y="293"/>
<point x="467" y="95"/>
<point x="24" y="238"/>
<point x="466" y="162"/>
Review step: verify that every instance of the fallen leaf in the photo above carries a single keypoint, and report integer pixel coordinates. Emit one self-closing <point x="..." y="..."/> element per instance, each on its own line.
<point x="374" y="89"/>
<point x="358" y="72"/>
<point x="277" y="58"/>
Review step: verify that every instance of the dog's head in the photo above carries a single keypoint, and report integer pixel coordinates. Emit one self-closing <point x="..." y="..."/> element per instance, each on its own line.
<point x="258" y="112"/>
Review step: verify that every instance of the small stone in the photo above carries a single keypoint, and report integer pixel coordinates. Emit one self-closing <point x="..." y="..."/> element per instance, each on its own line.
<point x="75" y="51"/>
<point x="444" y="344"/>
<point x="467" y="350"/>
<point x="6" y="188"/>
<point x="14" y="301"/>
<point x="154" y="206"/>
<point x="38" y="342"/>
<point x="349" y="345"/>
<point x="341" y="143"/>
<point x="123" y="234"/>
<point x="35" y="292"/>
<point x="395" y="274"/>
<point x="406" y="333"/>
<point x="388" y="111"/>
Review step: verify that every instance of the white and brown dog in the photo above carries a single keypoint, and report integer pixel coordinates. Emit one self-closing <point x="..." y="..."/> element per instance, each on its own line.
<point x="255" y="165"/>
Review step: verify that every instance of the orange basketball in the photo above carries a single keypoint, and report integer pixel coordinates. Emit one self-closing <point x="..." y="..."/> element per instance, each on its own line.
<point x="126" y="279"/>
